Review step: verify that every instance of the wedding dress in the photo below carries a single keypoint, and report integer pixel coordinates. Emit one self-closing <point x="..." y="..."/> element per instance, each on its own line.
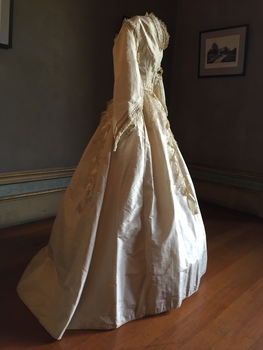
<point x="128" y="240"/>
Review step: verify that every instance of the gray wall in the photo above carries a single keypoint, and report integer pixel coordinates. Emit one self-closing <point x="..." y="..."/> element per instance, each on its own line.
<point x="58" y="77"/>
<point x="218" y="121"/>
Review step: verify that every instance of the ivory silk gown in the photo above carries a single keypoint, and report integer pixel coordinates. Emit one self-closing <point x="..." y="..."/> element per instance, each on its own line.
<point x="128" y="240"/>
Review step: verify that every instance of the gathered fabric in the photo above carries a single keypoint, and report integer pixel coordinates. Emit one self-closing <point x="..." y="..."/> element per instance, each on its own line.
<point x="129" y="239"/>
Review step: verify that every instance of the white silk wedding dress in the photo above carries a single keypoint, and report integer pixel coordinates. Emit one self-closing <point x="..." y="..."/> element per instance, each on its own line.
<point x="129" y="239"/>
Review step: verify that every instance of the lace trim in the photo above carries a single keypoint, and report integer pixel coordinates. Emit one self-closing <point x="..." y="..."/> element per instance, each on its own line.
<point x="161" y="30"/>
<point x="181" y="181"/>
<point x="98" y="144"/>
<point x="125" y="127"/>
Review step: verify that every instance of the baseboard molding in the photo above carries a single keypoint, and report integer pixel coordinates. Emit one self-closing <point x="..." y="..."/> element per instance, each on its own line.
<point x="231" y="189"/>
<point x="16" y="211"/>
<point x="35" y="195"/>
<point x="31" y="195"/>
<point x="36" y="175"/>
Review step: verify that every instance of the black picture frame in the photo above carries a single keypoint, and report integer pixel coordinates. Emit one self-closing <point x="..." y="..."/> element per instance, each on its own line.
<point x="223" y="51"/>
<point x="6" y="17"/>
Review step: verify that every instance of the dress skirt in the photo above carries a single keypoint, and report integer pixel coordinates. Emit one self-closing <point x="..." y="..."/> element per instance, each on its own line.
<point x="128" y="240"/>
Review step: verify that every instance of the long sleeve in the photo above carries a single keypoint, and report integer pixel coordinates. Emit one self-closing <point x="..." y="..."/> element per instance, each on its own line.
<point x="127" y="93"/>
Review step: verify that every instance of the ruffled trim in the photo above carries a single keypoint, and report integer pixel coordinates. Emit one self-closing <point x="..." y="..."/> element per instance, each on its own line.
<point x="161" y="29"/>
<point x="95" y="157"/>
<point x="182" y="184"/>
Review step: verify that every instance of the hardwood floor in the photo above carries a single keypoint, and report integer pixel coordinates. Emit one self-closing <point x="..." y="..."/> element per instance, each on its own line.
<point x="226" y="313"/>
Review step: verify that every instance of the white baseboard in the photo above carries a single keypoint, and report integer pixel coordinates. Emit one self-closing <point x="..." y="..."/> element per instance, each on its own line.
<point x="29" y="208"/>
<point x="31" y="195"/>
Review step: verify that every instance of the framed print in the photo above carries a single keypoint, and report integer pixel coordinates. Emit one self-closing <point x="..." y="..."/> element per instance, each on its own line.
<point x="222" y="52"/>
<point x="6" y="7"/>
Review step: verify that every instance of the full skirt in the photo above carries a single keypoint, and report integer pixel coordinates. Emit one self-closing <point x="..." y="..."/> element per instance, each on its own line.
<point x="128" y="240"/>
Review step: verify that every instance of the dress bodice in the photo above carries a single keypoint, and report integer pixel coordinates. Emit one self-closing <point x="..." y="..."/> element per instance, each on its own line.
<point x="152" y="40"/>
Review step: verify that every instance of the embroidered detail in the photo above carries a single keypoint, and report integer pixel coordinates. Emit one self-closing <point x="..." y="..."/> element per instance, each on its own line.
<point x="182" y="183"/>
<point x="172" y="149"/>
<point x="156" y="111"/>
<point x="96" y="151"/>
<point x="126" y="125"/>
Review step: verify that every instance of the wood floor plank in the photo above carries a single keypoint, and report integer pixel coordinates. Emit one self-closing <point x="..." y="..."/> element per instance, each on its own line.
<point x="257" y="345"/>
<point x="230" y="329"/>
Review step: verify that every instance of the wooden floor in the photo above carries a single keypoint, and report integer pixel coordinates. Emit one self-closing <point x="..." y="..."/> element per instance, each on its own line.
<point x="226" y="313"/>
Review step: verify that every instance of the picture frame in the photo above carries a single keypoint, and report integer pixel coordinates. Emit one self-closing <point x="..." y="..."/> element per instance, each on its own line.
<point x="223" y="51"/>
<point x="6" y="11"/>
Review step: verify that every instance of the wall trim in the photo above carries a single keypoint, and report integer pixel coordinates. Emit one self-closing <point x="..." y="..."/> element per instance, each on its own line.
<point x="32" y="183"/>
<point x="32" y="195"/>
<point x="34" y="175"/>
<point x="17" y="211"/>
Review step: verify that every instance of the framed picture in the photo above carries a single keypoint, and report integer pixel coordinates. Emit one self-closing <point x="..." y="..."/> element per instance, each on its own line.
<point x="222" y="52"/>
<point x="6" y="8"/>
